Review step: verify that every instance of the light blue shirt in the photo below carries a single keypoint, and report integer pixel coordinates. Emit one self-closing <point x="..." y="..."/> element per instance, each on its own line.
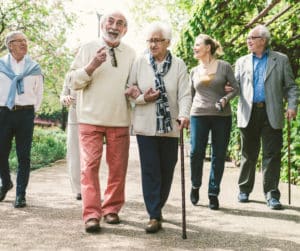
<point x="259" y="73"/>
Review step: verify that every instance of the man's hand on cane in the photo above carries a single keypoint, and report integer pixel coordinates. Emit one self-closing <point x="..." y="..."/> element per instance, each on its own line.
<point x="290" y="114"/>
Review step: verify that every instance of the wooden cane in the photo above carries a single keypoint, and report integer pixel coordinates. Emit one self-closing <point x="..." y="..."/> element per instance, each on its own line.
<point x="182" y="183"/>
<point x="289" y="159"/>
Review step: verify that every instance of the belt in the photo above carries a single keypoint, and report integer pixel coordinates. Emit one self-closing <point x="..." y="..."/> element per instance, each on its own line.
<point x="259" y="105"/>
<point x="18" y="107"/>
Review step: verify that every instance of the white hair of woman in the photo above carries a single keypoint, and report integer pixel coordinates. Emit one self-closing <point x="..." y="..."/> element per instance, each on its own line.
<point x="164" y="28"/>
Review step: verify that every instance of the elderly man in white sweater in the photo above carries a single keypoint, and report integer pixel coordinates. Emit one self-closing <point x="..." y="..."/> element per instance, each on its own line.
<point x="99" y="73"/>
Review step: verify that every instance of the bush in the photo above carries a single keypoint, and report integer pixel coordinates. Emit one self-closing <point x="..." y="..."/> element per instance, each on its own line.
<point x="48" y="145"/>
<point x="294" y="150"/>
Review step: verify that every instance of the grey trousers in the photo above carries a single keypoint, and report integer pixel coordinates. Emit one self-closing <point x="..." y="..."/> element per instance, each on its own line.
<point x="260" y="133"/>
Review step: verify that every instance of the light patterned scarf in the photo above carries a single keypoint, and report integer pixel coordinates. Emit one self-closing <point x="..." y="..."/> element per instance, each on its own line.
<point x="163" y="115"/>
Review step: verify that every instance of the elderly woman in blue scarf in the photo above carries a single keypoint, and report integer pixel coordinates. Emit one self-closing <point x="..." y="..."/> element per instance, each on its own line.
<point x="21" y="93"/>
<point x="159" y="89"/>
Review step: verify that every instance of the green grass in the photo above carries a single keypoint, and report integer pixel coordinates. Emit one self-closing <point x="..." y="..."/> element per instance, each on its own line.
<point x="48" y="146"/>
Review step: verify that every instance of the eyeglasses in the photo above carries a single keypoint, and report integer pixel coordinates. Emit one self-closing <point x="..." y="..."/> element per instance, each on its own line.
<point x="19" y="41"/>
<point x="155" y="40"/>
<point x="112" y="54"/>
<point x="253" y="37"/>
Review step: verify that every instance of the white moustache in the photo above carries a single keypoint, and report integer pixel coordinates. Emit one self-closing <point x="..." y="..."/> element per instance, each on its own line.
<point x="113" y="32"/>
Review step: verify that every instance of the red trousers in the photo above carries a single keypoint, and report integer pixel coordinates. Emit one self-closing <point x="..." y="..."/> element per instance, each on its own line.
<point x="91" y="148"/>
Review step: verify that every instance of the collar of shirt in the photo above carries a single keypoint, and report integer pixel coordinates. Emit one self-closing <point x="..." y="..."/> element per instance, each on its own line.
<point x="17" y="67"/>
<point x="264" y="55"/>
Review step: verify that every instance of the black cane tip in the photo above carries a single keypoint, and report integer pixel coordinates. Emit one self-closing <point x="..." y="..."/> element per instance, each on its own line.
<point x="184" y="236"/>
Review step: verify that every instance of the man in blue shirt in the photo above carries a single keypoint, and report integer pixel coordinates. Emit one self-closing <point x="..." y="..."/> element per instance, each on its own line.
<point x="266" y="79"/>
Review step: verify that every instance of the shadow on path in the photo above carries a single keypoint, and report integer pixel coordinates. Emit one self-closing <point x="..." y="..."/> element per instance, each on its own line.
<point x="52" y="219"/>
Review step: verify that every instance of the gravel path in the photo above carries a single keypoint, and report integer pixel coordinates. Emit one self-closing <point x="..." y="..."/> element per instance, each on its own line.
<point x="52" y="219"/>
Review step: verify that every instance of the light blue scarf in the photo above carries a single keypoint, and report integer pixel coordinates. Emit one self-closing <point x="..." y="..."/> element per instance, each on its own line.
<point x="30" y="68"/>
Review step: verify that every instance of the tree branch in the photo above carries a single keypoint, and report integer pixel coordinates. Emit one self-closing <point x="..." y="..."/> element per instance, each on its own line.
<point x="263" y="13"/>
<point x="17" y="6"/>
<point x="278" y="15"/>
<point x="3" y="15"/>
<point x="4" y="25"/>
<point x="294" y="38"/>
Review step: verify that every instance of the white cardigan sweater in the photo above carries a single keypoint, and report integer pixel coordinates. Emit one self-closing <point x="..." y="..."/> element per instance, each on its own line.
<point x="177" y="87"/>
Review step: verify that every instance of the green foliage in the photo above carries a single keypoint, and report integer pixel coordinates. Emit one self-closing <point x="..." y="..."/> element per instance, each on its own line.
<point x="234" y="146"/>
<point x="175" y="12"/>
<point x="48" y="145"/>
<point x="53" y="116"/>
<point x="229" y="23"/>
<point x="294" y="152"/>
<point x="45" y="23"/>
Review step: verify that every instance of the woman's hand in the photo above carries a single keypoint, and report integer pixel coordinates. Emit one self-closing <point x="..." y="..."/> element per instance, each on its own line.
<point x="151" y="95"/>
<point x="183" y="123"/>
<point x="223" y="102"/>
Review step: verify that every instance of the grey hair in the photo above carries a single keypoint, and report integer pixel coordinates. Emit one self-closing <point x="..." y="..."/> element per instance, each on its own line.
<point x="9" y="37"/>
<point x="263" y="32"/>
<point x="107" y="14"/>
<point x="164" y="28"/>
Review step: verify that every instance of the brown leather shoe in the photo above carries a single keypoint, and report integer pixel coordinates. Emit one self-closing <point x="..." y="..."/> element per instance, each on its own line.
<point x="92" y="225"/>
<point x="112" y="218"/>
<point x="153" y="226"/>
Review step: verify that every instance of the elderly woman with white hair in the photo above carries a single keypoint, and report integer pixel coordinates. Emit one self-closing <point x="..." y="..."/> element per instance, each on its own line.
<point x="159" y="89"/>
